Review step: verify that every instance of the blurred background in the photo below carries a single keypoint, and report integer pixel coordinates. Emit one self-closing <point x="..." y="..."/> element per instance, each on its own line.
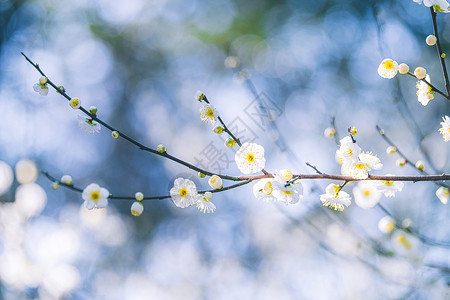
<point x="278" y="72"/>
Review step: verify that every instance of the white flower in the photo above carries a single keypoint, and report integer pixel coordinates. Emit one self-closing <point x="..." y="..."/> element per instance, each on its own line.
<point x="438" y="5"/>
<point x="391" y="150"/>
<point x="66" y="179"/>
<point x="250" y="158"/>
<point x="215" y="182"/>
<point x="348" y="151"/>
<point x="329" y="132"/>
<point x="360" y="169"/>
<point x="204" y="205"/>
<point x="139" y="196"/>
<point x="95" y="196"/>
<point x="90" y="126"/>
<point x="389" y="187"/>
<point x="366" y="194"/>
<point x="41" y="89"/>
<point x="431" y="40"/>
<point x="443" y="194"/>
<point x="424" y="91"/>
<point x="403" y="68"/>
<point x="43" y="80"/>
<point x="283" y="176"/>
<point x="184" y="192"/>
<point x="288" y="194"/>
<point x="445" y="130"/>
<point x="420" y="73"/>
<point x="386" y="224"/>
<point x="263" y="189"/>
<point x="388" y="68"/>
<point x="208" y="114"/>
<point x="137" y="208"/>
<point x="75" y="103"/>
<point x="334" y="199"/>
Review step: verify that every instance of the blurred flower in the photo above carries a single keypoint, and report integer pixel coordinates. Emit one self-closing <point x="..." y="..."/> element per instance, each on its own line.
<point x="431" y="40"/>
<point x="6" y="177"/>
<point x="386" y="224"/>
<point x="26" y="171"/>
<point x="443" y="194"/>
<point x="215" y="182"/>
<point x="391" y="150"/>
<point x="95" y="196"/>
<point x="403" y="68"/>
<point x="420" y="73"/>
<point x="231" y="62"/>
<point x="250" y="158"/>
<point x="204" y="205"/>
<point x="139" y="196"/>
<point x="67" y="179"/>
<point x="445" y="130"/>
<point x="208" y="114"/>
<point x="366" y="194"/>
<point x="424" y="91"/>
<point x="329" y="132"/>
<point x="41" y="89"/>
<point x="389" y="187"/>
<point x="75" y="103"/>
<point x="55" y="185"/>
<point x="137" y="208"/>
<point x="420" y="165"/>
<point x="90" y="126"/>
<point x="184" y="192"/>
<point x="388" y="68"/>
<point x="334" y="198"/>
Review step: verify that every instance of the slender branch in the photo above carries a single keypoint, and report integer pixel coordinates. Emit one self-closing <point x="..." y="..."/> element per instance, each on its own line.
<point x="439" y="51"/>
<point x="336" y="135"/>
<point x="314" y="168"/>
<point x="430" y="85"/>
<point x="129" y="139"/>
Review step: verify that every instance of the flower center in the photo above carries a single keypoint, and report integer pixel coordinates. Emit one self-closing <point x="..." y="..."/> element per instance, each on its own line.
<point x="388" y="182"/>
<point x="366" y="193"/>
<point x="388" y="65"/>
<point x="210" y="112"/>
<point x="360" y="166"/>
<point x="95" y="196"/>
<point x="287" y="192"/>
<point x="183" y="192"/>
<point x="250" y="157"/>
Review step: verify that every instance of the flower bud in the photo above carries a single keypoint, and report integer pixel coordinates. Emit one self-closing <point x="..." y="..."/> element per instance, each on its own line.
<point x="55" y="185"/>
<point x="230" y="143"/>
<point x="160" y="148"/>
<point x="115" y="134"/>
<point x="43" y="80"/>
<point x="93" y="110"/>
<point x="201" y="175"/>
<point x="199" y="96"/>
<point x="403" y="68"/>
<point x="420" y="73"/>
<point x="218" y="129"/>
<point x="139" y="196"/>
<point x="137" y="208"/>
<point x="391" y="150"/>
<point x="215" y="182"/>
<point x="420" y="165"/>
<point x="329" y="132"/>
<point x="400" y="162"/>
<point x="67" y="179"/>
<point x="61" y="88"/>
<point x="431" y="40"/>
<point x="208" y="195"/>
<point x="386" y="224"/>
<point x="353" y="131"/>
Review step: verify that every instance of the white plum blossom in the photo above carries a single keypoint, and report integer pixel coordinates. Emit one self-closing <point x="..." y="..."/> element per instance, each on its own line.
<point x="388" y="68"/>
<point x="403" y="68"/>
<point x="183" y="193"/>
<point x="263" y="190"/>
<point x="75" y="103"/>
<point x="215" y="182"/>
<point x="288" y="194"/>
<point x="41" y="89"/>
<point x="250" y="158"/>
<point x="366" y="194"/>
<point x="137" y="208"/>
<point x="204" y="205"/>
<point x="424" y="91"/>
<point x="443" y="194"/>
<point x="208" y="114"/>
<point x="335" y="198"/>
<point x="420" y="72"/>
<point x="386" y="224"/>
<point x="95" y="196"/>
<point x="348" y="150"/>
<point x="438" y="5"/>
<point x="445" y="129"/>
<point x="88" y="125"/>
<point x="389" y="187"/>
<point x="283" y="176"/>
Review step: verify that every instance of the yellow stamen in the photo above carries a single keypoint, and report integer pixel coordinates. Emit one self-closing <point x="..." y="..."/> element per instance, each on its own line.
<point x="183" y="192"/>
<point x="95" y="196"/>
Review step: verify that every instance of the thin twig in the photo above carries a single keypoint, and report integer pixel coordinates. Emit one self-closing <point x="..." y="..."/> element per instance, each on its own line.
<point x="439" y="51"/>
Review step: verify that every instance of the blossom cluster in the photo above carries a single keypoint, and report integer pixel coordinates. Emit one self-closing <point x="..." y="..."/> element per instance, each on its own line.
<point x="184" y="193"/>
<point x="280" y="188"/>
